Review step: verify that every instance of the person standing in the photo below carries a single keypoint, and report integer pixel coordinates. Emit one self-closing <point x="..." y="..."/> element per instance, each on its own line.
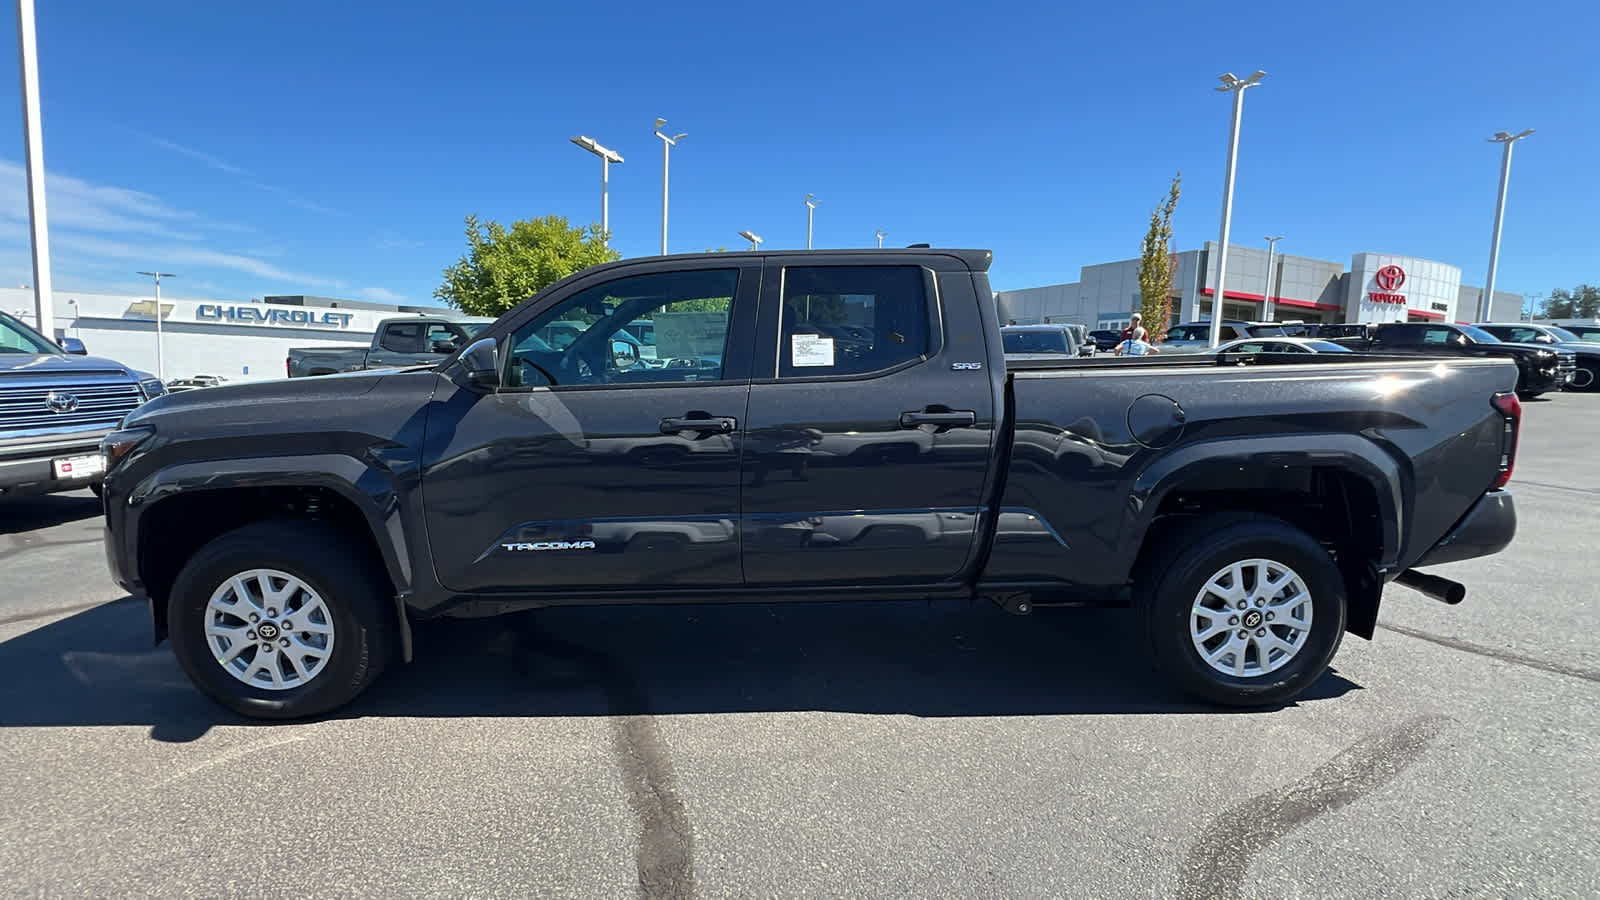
<point x="1135" y="330"/>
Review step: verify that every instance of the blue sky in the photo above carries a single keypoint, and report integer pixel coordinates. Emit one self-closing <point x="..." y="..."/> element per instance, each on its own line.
<point x="333" y="149"/>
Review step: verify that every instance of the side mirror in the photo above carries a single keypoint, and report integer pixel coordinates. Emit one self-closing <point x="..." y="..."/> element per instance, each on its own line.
<point x="74" y="346"/>
<point x="481" y="363"/>
<point x="624" y="355"/>
<point x="445" y="346"/>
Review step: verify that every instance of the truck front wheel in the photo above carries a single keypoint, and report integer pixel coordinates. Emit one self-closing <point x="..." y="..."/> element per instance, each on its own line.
<point x="281" y="619"/>
<point x="1244" y="612"/>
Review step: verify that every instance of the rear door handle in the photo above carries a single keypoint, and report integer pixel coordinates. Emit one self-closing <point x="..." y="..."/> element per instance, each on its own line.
<point x="957" y="418"/>
<point x="699" y="421"/>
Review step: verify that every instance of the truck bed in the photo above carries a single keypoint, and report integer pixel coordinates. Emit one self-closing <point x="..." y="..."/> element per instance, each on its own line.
<point x="1101" y="447"/>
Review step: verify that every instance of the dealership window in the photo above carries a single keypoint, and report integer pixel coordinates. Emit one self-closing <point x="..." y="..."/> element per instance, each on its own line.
<point x="666" y="327"/>
<point x="851" y="320"/>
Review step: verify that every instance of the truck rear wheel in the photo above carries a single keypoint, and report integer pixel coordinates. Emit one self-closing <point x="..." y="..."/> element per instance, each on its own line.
<point x="282" y="619"/>
<point x="1245" y="612"/>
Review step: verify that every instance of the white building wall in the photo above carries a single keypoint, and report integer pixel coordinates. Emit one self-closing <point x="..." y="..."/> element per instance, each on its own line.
<point x="213" y="337"/>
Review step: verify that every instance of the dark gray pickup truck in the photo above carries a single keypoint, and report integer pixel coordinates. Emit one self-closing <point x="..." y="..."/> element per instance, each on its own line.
<point x="398" y="342"/>
<point x="55" y="406"/>
<point x="844" y="425"/>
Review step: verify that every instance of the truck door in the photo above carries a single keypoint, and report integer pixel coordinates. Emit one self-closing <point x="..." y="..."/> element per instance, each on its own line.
<point x="593" y="467"/>
<point x="871" y="424"/>
<point x="417" y="343"/>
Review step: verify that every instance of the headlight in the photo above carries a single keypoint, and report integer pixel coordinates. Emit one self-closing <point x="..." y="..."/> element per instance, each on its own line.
<point x="152" y="388"/>
<point x="116" y="446"/>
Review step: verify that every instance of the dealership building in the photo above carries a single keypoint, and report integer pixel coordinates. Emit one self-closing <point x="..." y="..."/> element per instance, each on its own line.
<point x="1375" y="287"/>
<point x="238" y="340"/>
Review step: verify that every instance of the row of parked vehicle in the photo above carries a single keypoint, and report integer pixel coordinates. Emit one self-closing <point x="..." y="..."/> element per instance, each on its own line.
<point x="1549" y="357"/>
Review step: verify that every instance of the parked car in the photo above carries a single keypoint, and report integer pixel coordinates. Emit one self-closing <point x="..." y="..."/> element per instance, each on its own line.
<point x="194" y="382"/>
<point x="55" y="406"/>
<point x="1333" y="331"/>
<point x="1540" y="369"/>
<point x="1586" y="354"/>
<point x="1033" y="341"/>
<point x="289" y="543"/>
<point x="1105" y="340"/>
<point x="1252" y="346"/>
<point x="1195" y="337"/>
<point x="403" y="341"/>
<point x="1587" y="331"/>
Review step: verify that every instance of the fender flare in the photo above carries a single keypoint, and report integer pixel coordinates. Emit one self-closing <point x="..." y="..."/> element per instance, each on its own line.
<point x="1364" y="458"/>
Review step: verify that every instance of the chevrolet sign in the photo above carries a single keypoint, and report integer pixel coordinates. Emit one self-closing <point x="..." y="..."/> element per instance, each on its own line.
<point x="258" y="314"/>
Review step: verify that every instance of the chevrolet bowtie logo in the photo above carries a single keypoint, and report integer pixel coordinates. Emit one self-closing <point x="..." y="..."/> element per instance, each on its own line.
<point x="146" y="309"/>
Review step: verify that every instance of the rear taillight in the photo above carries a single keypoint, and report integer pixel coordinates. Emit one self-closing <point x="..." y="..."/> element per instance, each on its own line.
<point x="1511" y="409"/>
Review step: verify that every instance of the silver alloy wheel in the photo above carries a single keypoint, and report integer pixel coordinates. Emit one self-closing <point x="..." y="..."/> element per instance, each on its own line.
<point x="269" y="629"/>
<point x="1251" y="618"/>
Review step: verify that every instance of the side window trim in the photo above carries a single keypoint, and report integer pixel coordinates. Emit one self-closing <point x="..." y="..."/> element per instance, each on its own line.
<point x="735" y="368"/>
<point x="933" y="310"/>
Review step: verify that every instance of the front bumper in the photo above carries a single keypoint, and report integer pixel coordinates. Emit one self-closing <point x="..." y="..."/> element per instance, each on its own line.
<point x="27" y="469"/>
<point x="1487" y="528"/>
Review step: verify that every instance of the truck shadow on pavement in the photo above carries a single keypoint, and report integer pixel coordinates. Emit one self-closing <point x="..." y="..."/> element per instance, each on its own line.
<point x="97" y="667"/>
<point x="27" y="514"/>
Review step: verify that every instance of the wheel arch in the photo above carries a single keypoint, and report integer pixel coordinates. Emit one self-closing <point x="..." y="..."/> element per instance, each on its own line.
<point x="181" y="508"/>
<point x="1343" y="490"/>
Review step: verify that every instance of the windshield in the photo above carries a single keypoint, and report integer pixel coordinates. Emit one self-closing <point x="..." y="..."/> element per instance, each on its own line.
<point x="473" y="328"/>
<point x="1328" y="347"/>
<point x="16" y="337"/>
<point x="1478" y="334"/>
<point x="1562" y="334"/>
<point x="1034" y="341"/>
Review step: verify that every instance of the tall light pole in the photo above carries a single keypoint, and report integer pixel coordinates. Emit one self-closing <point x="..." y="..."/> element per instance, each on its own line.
<point x="44" y="308"/>
<point x="1486" y="303"/>
<point x="667" y="143"/>
<point x="753" y="238"/>
<point x="161" y="360"/>
<point x="607" y="157"/>
<point x="811" y="209"/>
<point x="1238" y="87"/>
<point x="1266" y="303"/>
<point x="881" y="234"/>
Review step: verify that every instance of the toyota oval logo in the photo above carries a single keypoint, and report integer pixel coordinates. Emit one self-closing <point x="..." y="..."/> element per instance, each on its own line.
<point x="61" y="401"/>
<point x="1390" y="278"/>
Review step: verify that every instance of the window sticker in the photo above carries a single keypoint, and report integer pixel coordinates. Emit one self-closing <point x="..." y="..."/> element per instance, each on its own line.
<point x="810" y="350"/>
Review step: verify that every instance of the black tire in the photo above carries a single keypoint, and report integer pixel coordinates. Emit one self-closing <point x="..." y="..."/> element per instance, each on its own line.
<point x="357" y="595"/>
<point x="98" y="488"/>
<point x="1165" y="602"/>
<point x="1586" y="379"/>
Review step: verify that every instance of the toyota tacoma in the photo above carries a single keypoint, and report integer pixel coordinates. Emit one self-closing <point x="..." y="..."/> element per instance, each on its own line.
<point x="844" y="424"/>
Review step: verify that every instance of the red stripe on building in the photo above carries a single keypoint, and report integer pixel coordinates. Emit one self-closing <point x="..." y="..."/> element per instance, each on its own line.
<point x="1258" y="298"/>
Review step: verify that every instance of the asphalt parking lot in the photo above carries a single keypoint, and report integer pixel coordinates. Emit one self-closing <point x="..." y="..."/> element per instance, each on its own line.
<point x="896" y="750"/>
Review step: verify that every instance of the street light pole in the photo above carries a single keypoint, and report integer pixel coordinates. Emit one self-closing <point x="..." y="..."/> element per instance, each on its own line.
<point x="811" y="208"/>
<point x="161" y="361"/>
<point x="881" y="235"/>
<point x="1237" y="87"/>
<point x="1267" y="307"/>
<point x="1486" y="302"/>
<point x="753" y="238"/>
<point x="44" y="308"/>
<point x="607" y="157"/>
<point x="667" y="143"/>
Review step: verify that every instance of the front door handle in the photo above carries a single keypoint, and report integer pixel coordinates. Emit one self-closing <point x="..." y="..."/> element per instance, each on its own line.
<point x="945" y="418"/>
<point x="699" y="421"/>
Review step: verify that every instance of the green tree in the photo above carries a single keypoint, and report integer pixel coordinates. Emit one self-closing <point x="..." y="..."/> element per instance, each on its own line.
<point x="1582" y="302"/>
<point x="1158" y="265"/>
<point x="504" y="266"/>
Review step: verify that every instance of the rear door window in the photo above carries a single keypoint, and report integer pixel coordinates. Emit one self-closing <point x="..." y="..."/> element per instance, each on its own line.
<point x="852" y="320"/>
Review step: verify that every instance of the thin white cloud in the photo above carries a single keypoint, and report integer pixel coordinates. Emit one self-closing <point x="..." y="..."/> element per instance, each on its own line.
<point x="75" y="203"/>
<point x="378" y="295"/>
<point x="397" y="244"/>
<point x="295" y="200"/>
<point x="206" y="158"/>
